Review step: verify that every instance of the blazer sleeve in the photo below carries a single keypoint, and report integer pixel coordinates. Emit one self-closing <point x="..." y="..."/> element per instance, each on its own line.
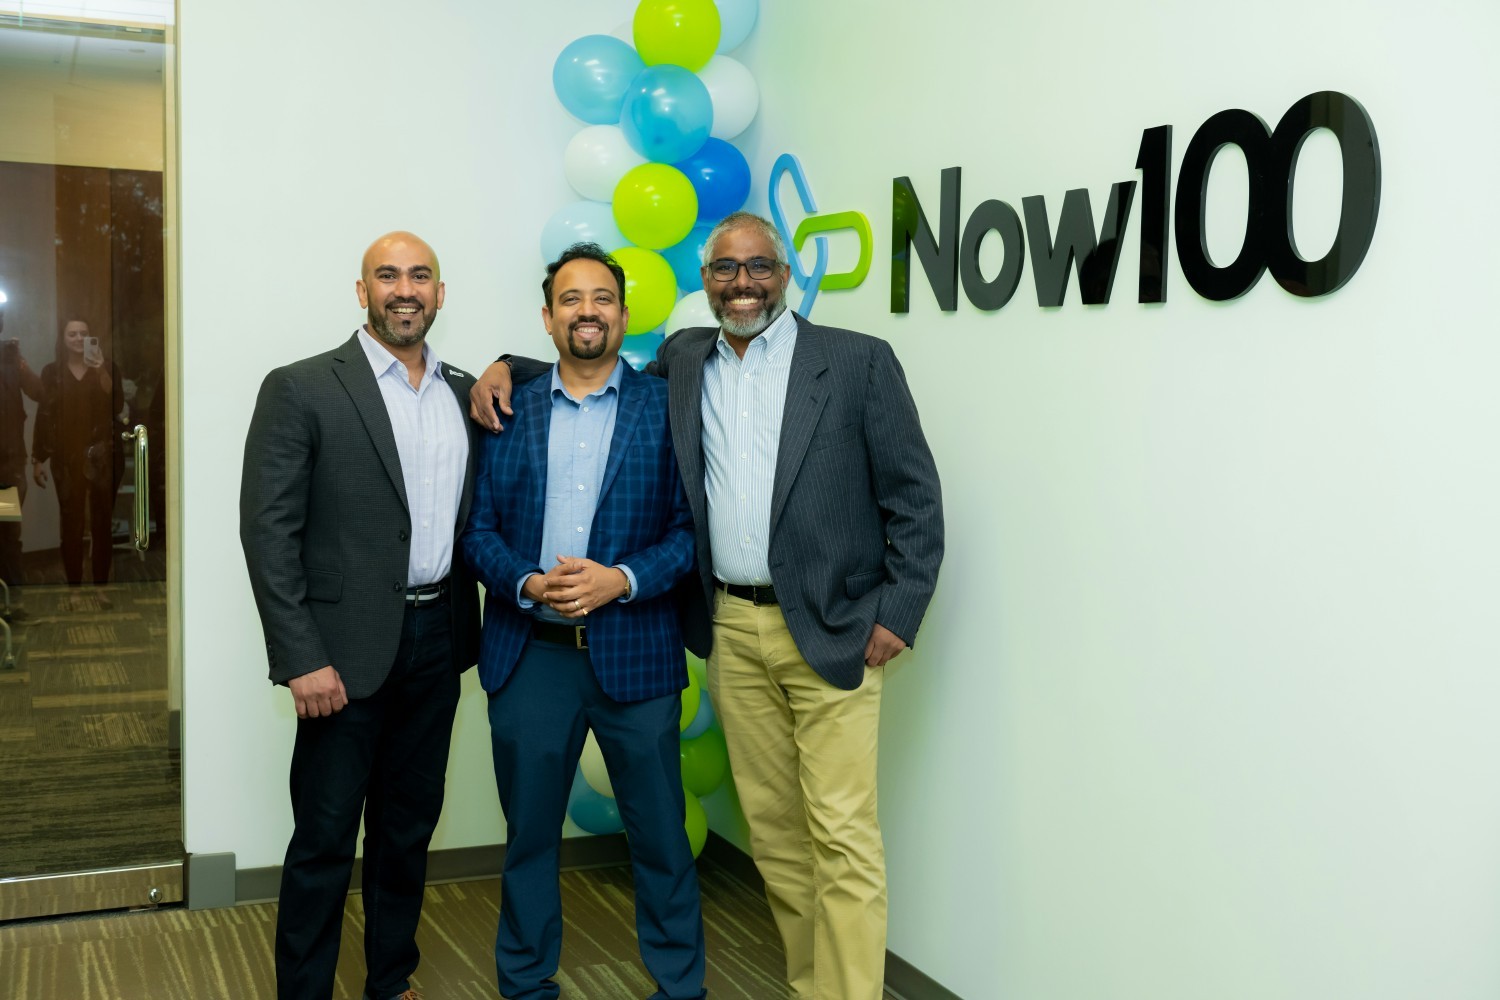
<point x="274" y="489"/>
<point x="44" y="430"/>
<point x="492" y="559"/>
<point x="907" y="492"/>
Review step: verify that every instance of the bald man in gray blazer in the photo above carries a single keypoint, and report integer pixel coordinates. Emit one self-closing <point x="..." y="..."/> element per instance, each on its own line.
<point x="359" y="469"/>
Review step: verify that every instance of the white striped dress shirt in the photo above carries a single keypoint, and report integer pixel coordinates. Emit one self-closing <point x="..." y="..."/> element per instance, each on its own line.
<point x="743" y="400"/>
<point x="434" y="447"/>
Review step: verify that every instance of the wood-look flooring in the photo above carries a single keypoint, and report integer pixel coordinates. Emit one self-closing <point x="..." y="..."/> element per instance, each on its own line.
<point x="176" y="954"/>
<point x="90" y="778"/>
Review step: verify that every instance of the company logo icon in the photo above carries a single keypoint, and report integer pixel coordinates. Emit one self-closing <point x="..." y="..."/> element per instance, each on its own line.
<point x="813" y="226"/>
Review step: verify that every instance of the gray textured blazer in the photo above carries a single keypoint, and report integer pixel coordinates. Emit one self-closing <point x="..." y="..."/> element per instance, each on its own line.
<point x="325" y="525"/>
<point x="856" y="508"/>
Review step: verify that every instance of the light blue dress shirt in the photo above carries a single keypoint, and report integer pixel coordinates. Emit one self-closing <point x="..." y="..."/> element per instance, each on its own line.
<point x="743" y="401"/>
<point x="433" y="444"/>
<point x="578" y="439"/>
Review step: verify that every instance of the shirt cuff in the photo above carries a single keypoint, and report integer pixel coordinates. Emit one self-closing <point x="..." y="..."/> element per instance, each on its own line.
<point x="634" y="589"/>
<point x="522" y="601"/>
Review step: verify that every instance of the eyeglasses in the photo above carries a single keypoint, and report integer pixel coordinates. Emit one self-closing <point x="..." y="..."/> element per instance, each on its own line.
<point x="727" y="269"/>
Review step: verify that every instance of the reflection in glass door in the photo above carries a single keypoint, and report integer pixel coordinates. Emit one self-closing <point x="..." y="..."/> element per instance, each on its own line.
<point x="88" y="733"/>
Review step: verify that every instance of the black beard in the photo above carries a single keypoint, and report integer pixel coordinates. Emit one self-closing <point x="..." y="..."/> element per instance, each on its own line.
<point x="585" y="352"/>
<point x="388" y="331"/>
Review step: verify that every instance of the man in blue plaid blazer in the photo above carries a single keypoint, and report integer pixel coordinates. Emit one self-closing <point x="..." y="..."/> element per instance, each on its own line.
<point x="579" y="529"/>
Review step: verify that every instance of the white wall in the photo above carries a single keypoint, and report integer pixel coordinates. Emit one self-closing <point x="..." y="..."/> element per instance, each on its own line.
<point x="306" y="131"/>
<point x="1205" y="704"/>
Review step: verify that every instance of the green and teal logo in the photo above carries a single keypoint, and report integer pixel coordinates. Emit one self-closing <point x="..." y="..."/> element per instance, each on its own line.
<point x="815" y="226"/>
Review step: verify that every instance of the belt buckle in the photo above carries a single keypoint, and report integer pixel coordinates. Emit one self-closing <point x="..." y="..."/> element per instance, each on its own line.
<point x="578" y="637"/>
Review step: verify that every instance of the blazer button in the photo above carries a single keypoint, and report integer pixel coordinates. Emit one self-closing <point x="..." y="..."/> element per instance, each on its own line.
<point x="402" y="534"/>
<point x="397" y="586"/>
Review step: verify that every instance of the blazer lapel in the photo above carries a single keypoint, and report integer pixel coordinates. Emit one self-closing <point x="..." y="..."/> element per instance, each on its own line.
<point x="352" y="368"/>
<point x="534" y="406"/>
<point x="685" y="396"/>
<point x="805" y="395"/>
<point x="628" y="410"/>
<point x="460" y="382"/>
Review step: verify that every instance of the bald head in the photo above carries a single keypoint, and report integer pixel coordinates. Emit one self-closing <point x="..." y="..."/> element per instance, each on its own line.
<point x="400" y="285"/>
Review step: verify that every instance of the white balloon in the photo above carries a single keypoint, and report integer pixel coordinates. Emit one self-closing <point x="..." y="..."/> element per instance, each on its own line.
<point x="595" y="160"/>
<point x="736" y="20"/>
<point x="691" y="310"/>
<point x="735" y="96"/>
<point x="592" y="766"/>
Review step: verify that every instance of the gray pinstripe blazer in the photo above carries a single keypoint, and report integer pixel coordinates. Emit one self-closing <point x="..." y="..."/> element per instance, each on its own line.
<point x="856" y="508"/>
<point x="325" y="525"/>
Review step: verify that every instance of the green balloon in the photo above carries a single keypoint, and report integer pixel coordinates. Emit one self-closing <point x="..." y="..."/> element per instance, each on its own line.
<point x="705" y="762"/>
<point x="650" y="288"/>
<point x="655" y="205"/>
<point x="682" y="32"/>
<point x="696" y="824"/>
<point x="691" y="696"/>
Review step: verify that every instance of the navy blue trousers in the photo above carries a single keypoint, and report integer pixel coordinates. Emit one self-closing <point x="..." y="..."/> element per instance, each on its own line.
<point x="385" y="756"/>
<point x="538" y="721"/>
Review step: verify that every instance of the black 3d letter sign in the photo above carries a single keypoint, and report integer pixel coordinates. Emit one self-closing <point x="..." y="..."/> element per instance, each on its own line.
<point x="1270" y="242"/>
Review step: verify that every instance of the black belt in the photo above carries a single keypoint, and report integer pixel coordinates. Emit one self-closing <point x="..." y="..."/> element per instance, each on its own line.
<point x="749" y="592"/>
<point x="427" y="593"/>
<point x="573" y="636"/>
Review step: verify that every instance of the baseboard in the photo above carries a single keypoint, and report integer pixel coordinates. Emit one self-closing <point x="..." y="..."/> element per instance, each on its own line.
<point x="903" y="981"/>
<point x="462" y="864"/>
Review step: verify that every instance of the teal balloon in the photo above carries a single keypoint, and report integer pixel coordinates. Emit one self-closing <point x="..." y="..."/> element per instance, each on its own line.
<point x="591" y="76"/>
<point x="686" y="257"/>
<point x="592" y="812"/>
<point x="639" y="350"/>
<point x="705" y="762"/>
<point x="667" y="113"/>
<point x="581" y="222"/>
<point x="736" y="21"/>
<point x="702" y="720"/>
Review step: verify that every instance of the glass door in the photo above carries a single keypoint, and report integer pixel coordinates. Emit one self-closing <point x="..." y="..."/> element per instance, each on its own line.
<point x="88" y="721"/>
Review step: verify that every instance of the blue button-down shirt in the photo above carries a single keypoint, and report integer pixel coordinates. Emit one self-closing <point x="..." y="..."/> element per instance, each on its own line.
<point x="578" y="439"/>
<point x="743" y="400"/>
<point x="433" y="444"/>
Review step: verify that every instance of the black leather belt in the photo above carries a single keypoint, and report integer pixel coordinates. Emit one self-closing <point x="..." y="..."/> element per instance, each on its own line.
<point x="573" y="636"/>
<point x="749" y="592"/>
<point x="427" y="593"/>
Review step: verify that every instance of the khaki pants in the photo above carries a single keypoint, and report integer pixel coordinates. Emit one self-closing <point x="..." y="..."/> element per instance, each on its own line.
<point x="803" y="756"/>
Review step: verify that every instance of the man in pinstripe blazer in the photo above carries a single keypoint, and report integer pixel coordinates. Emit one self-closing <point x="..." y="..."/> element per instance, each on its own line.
<point x="819" y="526"/>
<point x="580" y="530"/>
<point x="357" y="478"/>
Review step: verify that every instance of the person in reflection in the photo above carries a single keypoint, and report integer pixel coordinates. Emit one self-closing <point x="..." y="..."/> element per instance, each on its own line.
<point x="357" y="479"/>
<point x="77" y="435"/>
<point x="16" y="378"/>
<point x="579" y="532"/>
<point x="819" y="527"/>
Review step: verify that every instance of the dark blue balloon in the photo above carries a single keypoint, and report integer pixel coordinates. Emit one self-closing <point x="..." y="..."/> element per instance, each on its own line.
<point x="667" y="113"/>
<point x="591" y="76"/>
<point x="687" y="257"/>
<point x="595" y="813"/>
<point x="720" y="176"/>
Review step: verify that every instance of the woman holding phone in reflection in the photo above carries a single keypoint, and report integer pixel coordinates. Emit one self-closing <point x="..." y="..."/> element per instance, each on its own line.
<point x="78" y="429"/>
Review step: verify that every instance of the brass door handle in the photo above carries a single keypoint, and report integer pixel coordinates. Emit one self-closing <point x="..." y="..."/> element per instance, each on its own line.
<point x="142" y="530"/>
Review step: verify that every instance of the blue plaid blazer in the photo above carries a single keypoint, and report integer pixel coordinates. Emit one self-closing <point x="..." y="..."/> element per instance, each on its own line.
<point x="642" y="520"/>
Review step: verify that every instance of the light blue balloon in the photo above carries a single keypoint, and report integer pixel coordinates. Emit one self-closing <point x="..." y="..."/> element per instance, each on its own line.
<point x="591" y="76"/>
<point x="736" y="21"/>
<point x="702" y="720"/>
<point x="581" y="222"/>
<point x="687" y="257"/>
<point x="639" y="350"/>
<point x="667" y="113"/>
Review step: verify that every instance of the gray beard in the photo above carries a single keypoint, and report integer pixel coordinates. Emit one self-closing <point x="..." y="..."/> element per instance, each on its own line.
<point x="386" y="331"/>
<point x="755" y="325"/>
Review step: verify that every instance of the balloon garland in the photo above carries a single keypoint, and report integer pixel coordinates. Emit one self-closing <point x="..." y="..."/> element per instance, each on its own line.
<point x="655" y="171"/>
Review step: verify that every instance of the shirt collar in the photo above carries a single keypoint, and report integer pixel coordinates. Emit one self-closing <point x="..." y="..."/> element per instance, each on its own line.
<point x="382" y="359"/>
<point x="613" y="382"/>
<point x="777" y="337"/>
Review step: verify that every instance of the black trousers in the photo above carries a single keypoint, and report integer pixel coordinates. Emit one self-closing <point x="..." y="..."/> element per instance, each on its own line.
<point x="385" y="756"/>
